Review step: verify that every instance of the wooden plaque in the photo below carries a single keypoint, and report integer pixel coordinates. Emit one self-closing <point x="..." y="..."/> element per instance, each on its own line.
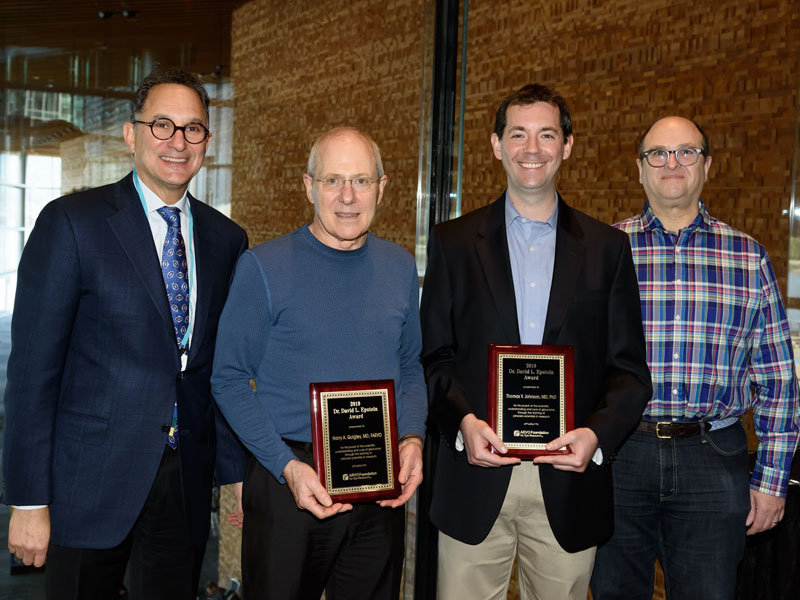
<point x="354" y="436"/>
<point x="531" y="396"/>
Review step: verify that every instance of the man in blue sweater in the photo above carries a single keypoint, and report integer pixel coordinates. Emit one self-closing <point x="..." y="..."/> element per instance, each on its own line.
<point x="328" y="302"/>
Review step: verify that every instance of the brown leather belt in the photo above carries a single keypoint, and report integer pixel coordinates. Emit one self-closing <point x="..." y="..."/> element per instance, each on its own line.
<point x="670" y="429"/>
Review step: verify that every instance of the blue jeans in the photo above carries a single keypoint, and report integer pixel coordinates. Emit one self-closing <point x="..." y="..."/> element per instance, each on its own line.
<point x="683" y="501"/>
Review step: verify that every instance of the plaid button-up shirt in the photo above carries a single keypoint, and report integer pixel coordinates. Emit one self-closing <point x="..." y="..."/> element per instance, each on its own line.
<point x="717" y="335"/>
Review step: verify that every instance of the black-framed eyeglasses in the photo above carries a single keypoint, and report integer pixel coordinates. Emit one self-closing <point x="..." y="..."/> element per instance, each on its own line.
<point x="164" y="129"/>
<point x="659" y="157"/>
<point x="334" y="182"/>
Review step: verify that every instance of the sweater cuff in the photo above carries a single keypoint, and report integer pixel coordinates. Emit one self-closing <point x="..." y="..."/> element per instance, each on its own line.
<point x="410" y="436"/>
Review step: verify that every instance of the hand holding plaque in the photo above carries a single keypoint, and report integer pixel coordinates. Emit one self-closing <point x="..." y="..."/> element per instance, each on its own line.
<point x="354" y="437"/>
<point x="531" y="398"/>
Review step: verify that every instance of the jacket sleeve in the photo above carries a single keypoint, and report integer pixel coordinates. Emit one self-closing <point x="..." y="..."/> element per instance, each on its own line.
<point x="627" y="385"/>
<point x="447" y="399"/>
<point x="47" y="298"/>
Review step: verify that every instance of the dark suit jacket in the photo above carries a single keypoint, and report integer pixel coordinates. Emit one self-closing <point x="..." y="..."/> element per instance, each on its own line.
<point x="468" y="302"/>
<point x="94" y="369"/>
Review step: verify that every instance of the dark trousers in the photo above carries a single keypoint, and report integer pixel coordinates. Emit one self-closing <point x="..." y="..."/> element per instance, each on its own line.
<point x="163" y="564"/>
<point x="683" y="501"/>
<point x="288" y="554"/>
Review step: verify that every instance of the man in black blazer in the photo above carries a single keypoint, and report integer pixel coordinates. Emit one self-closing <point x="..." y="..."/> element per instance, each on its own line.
<point x="111" y="434"/>
<point x="528" y="269"/>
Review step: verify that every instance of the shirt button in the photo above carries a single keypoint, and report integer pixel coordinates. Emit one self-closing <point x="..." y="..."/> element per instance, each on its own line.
<point x="530" y="249"/>
<point x="677" y="281"/>
<point x="675" y="356"/>
<point x="674" y="392"/>
<point x="677" y="249"/>
<point x="524" y="220"/>
<point x="677" y="317"/>
<point x="533" y="284"/>
<point x="533" y="324"/>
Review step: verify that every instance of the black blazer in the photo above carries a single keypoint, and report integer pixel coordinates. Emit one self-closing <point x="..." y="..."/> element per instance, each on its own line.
<point x="94" y="369"/>
<point x="468" y="302"/>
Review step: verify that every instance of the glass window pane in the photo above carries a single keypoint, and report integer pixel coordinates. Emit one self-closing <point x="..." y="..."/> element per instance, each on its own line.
<point x="43" y="172"/>
<point x="10" y="168"/>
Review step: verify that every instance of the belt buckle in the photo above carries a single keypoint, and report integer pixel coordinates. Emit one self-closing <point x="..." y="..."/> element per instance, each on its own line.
<point x="658" y="430"/>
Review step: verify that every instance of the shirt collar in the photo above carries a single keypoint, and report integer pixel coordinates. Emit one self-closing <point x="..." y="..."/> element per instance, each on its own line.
<point x="650" y="221"/>
<point x="512" y="214"/>
<point x="153" y="201"/>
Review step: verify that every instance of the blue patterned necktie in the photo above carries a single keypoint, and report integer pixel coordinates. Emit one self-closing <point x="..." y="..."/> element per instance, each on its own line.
<point x="176" y="281"/>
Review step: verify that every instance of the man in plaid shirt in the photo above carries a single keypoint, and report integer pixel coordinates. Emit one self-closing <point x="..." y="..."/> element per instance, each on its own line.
<point x="718" y="344"/>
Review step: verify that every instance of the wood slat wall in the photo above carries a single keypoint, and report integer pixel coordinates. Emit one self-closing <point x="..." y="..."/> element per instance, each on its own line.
<point x="302" y="67"/>
<point x="620" y="64"/>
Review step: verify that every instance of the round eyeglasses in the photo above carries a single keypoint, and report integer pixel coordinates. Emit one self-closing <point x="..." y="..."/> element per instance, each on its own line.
<point x="334" y="182"/>
<point x="164" y="129"/>
<point x="659" y="157"/>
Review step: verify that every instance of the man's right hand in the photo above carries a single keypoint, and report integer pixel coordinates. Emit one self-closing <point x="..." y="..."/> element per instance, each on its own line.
<point x="309" y="493"/>
<point x="29" y="535"/>
<point x="479" y="438"/>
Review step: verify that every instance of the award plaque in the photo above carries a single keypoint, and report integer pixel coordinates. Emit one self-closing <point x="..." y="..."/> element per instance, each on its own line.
<point x="354" y="437"/>
<point x="531" y="398"/>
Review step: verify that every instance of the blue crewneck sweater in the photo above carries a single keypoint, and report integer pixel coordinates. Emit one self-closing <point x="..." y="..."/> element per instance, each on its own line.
<point x="298" y="312"/>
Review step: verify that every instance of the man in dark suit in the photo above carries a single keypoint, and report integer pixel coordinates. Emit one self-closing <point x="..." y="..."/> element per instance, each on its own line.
<point x="528" y="269"/>
<point x="111" y="434"/>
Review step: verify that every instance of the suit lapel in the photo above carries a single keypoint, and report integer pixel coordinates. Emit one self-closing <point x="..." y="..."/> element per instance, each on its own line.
<point x="492" y="248"/>
<point x="132" y="229"/>
<point x="201" y="247"/>
<point x="566" y="270"/>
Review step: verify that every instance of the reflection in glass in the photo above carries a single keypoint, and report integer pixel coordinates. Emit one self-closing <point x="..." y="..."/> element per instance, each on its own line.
<point x="27" y="183"/>
<point x="793" y="278"/>
<point x="59" y="143"/>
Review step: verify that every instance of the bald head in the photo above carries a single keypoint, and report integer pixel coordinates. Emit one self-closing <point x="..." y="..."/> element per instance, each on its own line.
<point x="342" y="132"/>
<point x="675" y="120"/>
<point x="345" y="183"/>
<point x="673" y="189"/>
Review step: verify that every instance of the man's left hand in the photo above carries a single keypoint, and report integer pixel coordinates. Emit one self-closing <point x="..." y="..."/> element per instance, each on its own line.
<point x="766" y="511"/>
<point x="410" y="475"/>
<point x="581" y="444"/>
<point x="236" y="518"/>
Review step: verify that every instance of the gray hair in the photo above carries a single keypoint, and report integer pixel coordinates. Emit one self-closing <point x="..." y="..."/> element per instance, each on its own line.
<point x="167" y="75"/>
<point x="314" y="154"/>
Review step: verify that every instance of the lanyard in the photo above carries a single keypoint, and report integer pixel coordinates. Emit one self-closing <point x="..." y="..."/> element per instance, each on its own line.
<point x="189" y="251"/>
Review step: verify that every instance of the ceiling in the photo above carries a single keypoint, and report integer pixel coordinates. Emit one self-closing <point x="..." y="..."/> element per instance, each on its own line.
<point x="102" y="48"/>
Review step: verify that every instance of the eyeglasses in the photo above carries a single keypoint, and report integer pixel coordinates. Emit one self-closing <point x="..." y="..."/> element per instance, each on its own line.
<point x="164" y="129"/>
<point x="360" y="184"/>
<point x="659" y="157"/>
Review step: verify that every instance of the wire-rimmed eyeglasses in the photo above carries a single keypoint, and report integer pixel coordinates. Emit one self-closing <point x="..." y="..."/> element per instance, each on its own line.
<point x="164" y="129"/>
<point x="335" y="182"/>
<point x="659" y="157"/>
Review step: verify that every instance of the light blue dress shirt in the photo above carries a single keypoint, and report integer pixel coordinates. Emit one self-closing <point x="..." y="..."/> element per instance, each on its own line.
<point x="532" y="249"/>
